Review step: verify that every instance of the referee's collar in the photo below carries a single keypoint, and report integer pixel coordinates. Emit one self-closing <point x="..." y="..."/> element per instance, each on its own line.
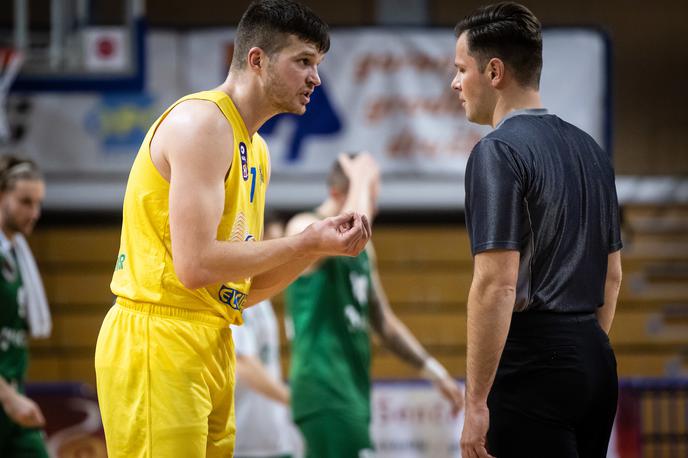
<point x="525" y="111"/>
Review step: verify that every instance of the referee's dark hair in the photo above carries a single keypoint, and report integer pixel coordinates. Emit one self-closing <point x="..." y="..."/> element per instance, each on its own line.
<point x="510" y="32"/>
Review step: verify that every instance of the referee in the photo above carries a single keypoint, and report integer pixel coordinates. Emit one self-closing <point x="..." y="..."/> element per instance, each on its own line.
<point x="542" y="216"/>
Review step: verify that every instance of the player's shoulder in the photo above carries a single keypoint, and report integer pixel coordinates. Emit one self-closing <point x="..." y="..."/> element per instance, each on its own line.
<point x="196" y="117"/>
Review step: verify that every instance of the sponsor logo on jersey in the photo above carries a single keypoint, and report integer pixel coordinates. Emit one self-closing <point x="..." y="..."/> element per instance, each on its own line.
<point x="359" y="287"/>
<point x="244" y="160"/>
<point x="10" y="337"/>
<point x="120" y="262"/>
<point x="232" y="297"/>
<point x="355" y="322"/>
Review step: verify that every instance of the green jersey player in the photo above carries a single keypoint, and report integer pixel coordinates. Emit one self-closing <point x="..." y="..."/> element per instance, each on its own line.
<point x="21" y="194"/>
<point x="332" y="306"/>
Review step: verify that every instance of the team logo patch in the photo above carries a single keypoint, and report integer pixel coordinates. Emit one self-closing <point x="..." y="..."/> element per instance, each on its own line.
<point x="232" y="297"/>
<point x="243" y="153"/>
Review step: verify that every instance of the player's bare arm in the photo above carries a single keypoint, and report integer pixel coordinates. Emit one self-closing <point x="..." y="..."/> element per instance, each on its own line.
<point x="194" y="147"/>
<point x="393" y="334"/>
<point x="275" y="280"/>
<point x="364" y="181"/>
<point x="252" y="372"/>
<point x="268" y="284"/>
<point x="396" y="337"/>
<point x="491" y="302"/>
<point x="612" y="285"/>
<point x="363" y="177"/>
<point x="19" y="408"/>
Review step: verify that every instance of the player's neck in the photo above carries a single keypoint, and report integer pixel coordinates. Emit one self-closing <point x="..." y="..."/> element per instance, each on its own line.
<point x="248" y="100"/>
<point x="516" y="99"/>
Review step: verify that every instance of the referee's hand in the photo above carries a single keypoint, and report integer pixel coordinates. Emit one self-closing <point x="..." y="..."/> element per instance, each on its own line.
<point x="475" y="426"/>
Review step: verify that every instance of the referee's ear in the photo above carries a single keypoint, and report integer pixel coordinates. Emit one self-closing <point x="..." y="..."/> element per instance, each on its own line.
<point x="496" y="72"/>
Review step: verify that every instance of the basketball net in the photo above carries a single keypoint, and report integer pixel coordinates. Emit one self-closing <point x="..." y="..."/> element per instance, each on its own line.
<point x="10" y="64"/>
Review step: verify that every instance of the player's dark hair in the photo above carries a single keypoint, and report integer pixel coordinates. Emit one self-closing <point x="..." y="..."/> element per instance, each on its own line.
<point x="510" y="32"/>
<point x="267" y="24"/>
<point x="13" y="169"/>
<point x="337" y="178"/>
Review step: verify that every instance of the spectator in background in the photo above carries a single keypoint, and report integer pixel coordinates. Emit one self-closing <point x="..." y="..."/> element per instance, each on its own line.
<point x="264" y="429"/>
<point x="23" y="306"/>
<point x="332" y="307"/>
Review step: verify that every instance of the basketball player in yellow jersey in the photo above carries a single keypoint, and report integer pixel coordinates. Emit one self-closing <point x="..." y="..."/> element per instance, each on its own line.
<point x="191" y="256"/>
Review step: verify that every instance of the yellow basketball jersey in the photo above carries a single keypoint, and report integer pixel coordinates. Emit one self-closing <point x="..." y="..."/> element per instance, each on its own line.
<point x="144" y="271"/>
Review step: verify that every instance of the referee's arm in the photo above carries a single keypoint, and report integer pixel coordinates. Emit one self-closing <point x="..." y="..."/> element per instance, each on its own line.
<point x="612" y="284"/>
<point x="490" y="305"/>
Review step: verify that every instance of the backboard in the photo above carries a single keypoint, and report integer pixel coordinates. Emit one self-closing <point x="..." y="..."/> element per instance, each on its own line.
<point x="84" y="45"/>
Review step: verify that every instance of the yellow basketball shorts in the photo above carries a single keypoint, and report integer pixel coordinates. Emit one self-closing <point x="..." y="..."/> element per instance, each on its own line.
<point x="165" y="382"/>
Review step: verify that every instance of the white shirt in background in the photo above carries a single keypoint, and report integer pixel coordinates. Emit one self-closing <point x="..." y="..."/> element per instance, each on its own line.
<point x="263" y="425"/>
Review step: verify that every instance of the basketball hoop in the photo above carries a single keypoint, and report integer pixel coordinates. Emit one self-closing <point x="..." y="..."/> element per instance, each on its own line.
<point x="10" y="63"/>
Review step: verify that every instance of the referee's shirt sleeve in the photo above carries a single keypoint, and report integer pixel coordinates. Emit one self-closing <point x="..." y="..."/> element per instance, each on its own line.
<point x="615" y="243"/>
<point x="494" y="197"/>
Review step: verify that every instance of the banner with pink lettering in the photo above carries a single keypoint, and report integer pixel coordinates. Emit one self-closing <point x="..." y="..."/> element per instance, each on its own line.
<point x="384" y="90"/>
<point x="412" y="420"/>
<point x="388" y="91"/>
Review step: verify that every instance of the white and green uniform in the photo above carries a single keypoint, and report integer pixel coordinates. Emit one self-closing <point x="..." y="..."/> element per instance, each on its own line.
<point x="14" y="354"/>
<point x="263" y="426"/>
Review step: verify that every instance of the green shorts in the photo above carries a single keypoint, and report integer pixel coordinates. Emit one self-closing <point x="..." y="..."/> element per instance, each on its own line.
<point x="336" y="435"/>
<point x="19" y="442"/>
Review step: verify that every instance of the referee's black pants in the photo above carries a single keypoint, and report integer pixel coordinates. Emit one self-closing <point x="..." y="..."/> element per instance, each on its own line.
<point x="556" y="388"/>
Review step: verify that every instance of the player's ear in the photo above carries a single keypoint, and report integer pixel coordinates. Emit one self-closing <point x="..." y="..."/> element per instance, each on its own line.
<point x="256" y="59"/>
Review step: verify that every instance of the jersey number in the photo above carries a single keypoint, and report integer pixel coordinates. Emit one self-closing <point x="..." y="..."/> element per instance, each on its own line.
<point x="253" y="182"/>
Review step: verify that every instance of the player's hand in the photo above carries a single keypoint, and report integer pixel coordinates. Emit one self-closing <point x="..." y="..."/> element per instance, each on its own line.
<point x="361" y="168"/>
<point x="452" y="393"/>
<point x="343" y="235"/>
<point x="23" y="411"/>
<point x="473" y="437"/>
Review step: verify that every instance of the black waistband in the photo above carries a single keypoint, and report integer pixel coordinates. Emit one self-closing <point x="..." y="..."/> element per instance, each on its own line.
<point x="552" y="317"/>
<point x="540" y="324"/>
